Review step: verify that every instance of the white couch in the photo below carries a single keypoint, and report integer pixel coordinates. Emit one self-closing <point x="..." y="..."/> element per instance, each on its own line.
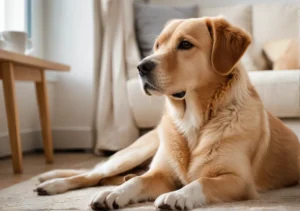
<point x="279" y="90"/>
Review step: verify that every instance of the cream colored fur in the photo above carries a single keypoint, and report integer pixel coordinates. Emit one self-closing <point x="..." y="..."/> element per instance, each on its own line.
<point x="216" y="143"/>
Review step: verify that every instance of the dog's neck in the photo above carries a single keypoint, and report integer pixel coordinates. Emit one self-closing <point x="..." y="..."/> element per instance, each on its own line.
<point x="199" y="106"/>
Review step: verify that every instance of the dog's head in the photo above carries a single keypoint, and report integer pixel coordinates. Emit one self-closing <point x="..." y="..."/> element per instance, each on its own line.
<point x="191" y="53"/>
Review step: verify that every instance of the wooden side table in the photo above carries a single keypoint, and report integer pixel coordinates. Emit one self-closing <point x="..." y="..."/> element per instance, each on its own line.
<point x="14" y="66"/>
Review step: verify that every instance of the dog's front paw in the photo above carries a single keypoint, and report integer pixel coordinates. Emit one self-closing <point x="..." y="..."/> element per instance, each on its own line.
<point x="110" y="199"/>
<point x="48" y="176"/>
<point x="174" y="201"/>
<point x="51" y="187"/>
<point x="44" y="177"/>
<point x="187" y="198"/>
<point x="118" y="197"/>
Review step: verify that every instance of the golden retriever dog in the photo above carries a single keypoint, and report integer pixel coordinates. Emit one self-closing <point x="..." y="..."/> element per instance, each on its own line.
<point x="215" y="141"/>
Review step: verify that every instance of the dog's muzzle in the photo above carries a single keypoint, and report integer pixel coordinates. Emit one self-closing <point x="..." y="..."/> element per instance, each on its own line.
<point x="148" y="87"/>
<point x="145" y="67"/>
<point x="179" y="95"/>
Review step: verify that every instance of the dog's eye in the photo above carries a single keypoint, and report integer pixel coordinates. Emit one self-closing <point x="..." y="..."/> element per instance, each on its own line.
<point x="157" y="45"/>
<point x="185" y="45"/>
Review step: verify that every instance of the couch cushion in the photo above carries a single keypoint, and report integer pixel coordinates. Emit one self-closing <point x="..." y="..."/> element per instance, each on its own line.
<point x="283" y="54"/>
<point x="150" y="20"/>
<point x="279" y="91"/>
<point x="240" y="15"/>
<point x="272" y="22"/>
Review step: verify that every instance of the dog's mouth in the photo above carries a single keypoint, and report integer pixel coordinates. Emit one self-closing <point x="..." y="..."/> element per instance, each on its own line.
<point x="148" y="87"/>
<point x="179" y="95"/>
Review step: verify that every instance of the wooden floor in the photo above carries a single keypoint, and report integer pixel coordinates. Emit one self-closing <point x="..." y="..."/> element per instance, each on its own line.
<point x="34" y="164"/>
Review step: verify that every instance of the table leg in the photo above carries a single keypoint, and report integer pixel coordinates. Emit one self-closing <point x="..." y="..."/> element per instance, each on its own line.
<point x="42" y="98"/>
<point x="12" y="115"/>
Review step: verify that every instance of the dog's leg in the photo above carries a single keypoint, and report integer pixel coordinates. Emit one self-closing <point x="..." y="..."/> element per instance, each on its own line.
<point x="223" y="188"/>
<point x="60" y="173"/>
<point x="140" y="188"/>
<point x="120" y="179"/>
<point x="158" y="180"/>
<point x="124" y="160"/>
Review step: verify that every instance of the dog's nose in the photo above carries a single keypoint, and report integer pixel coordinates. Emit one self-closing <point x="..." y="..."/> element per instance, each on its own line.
<point x="145" y="67"/>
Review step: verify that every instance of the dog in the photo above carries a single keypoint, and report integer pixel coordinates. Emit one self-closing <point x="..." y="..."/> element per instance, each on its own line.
<point x="215" y="141"/>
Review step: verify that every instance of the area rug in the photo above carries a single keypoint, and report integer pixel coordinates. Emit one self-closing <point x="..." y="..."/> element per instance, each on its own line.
<point x="22" y="197"/>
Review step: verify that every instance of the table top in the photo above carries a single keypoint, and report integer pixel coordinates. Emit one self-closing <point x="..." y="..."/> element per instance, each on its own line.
<point x="31" y="61"/>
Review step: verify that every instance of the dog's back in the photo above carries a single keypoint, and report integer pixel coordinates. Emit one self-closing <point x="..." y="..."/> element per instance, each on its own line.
<point x="278" y="165"/>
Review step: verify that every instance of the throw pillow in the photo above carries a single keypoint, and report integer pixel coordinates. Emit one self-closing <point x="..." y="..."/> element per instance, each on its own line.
<point x="272" y="21"/>
<point x="283" y="54"/>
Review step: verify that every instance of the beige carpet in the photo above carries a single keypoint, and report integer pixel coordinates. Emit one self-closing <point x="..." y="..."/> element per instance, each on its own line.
<point x="21" y="197"/>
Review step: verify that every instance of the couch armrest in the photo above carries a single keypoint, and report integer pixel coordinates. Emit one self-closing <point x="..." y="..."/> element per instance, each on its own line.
<point x="279" y="91"/>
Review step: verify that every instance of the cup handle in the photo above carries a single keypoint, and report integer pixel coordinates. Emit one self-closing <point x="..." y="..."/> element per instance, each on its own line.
<point x="29" y="47"/>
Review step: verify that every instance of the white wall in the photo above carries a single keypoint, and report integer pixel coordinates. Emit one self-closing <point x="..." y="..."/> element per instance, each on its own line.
<point x="26" y="98"/>
<point x="38" y="28"/>
<point x="63" y="31"/>
<point x="69" y="38"/>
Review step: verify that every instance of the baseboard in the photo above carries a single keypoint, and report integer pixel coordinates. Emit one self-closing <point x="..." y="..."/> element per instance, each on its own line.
<point x="63" y="138"/>
<point x="30" y="141"/>
<point x="72" y="138"/>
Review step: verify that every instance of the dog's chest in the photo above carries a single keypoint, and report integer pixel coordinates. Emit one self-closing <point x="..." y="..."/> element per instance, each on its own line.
<point x="188" y="126"/>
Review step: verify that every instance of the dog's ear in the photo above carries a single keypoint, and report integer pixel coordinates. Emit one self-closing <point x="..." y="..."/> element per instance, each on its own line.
<point x="229" y="44"/>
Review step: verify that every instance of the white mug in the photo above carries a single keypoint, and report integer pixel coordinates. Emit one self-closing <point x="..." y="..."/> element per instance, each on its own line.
<point x="16" y="41"/>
